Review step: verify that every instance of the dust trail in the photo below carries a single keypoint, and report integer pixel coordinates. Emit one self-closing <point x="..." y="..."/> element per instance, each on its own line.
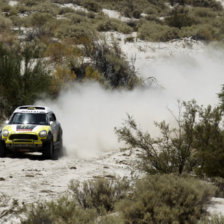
<point x="89" y="113"/>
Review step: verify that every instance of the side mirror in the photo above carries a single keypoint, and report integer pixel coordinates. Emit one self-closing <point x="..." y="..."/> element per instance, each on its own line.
<point x="51" y="122"/>
<point x="7" y="121"/>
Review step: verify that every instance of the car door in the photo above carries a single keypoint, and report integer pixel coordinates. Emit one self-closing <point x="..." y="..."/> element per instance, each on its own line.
<point x="54" y="126"/>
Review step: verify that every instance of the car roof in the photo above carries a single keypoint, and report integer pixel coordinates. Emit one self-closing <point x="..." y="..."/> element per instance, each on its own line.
<point x="32" y="109"/>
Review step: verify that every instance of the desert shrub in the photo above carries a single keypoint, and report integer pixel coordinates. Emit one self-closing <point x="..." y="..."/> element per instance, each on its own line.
<point x="39" y="19"/>
<point x="199" y="3"/>
<point x="217" y="219"/>
<point x="208" y="4"/>
<point x="152" y="31"/>
<point x="22" y="8"/>
<point x="8" y="38"/>
<point x="129" y="39"/>
<point x="4" y="4"/>
<point x="179" y="18"/>
<point x="110" y="62"/>
<point x="12" y="12"/>
<point x="6" y="8"/>
<point x="101" y="194"/>
<point x="63" y="211"/>
<point x="92" y="74"/>
<point x="16" y="20"/>
<point x="203" y="12"/>
<point x="65" y="10"/>
<point x="43" y="24"/>
<point x="221" y="98"/>
<point x="206" y="33"/>
<point x="76" y="18"/>
<point x="196" y="144"/>
<point x="132" y="9"/>
<point x="60" y="51"/>
<point x="200" y="32"/>
<point x="10" y="207"/>
<point x="46" y="7"/>
<point x="209" y="142"/>
<point x="5" y="23"/>
<point x="169" y="153"/>
<point x="80" y="32"/>
<point x="219" y="183"/>
<point x="29" y="2"/>
<point x="114" y="25"/>
<point x="166" y="199"/>
<point x="110" y="219"/>
<point x="20" y="84"/>
<point x="91" y="5"/>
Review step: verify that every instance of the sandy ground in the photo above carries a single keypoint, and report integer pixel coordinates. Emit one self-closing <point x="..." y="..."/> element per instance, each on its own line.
<point x="29" y="178"/>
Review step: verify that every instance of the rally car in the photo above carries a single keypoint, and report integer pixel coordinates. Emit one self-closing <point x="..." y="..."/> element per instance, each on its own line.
<point x="32" y="129"/>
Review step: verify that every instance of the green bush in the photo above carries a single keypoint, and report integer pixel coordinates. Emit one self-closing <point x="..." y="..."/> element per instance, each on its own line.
<point x="46" y="7"/>
<point x="61" y="211"/>
<point x="91" y="5"/>
<point x="206" y="33"/>
<point x="166" y="199"/>
<point x="40" y="19"/>
<point x="80" y="32"/>
<point x="5" y="23"/>
<point x="65" y="10"/>
<point x="20" y="85"/>
<point x="200" y="32"/>
<point x="203" y="12"/>
<point x="114" y="25"/>
<point x="110" y="219"/>
<point x="100" y="194"/>
<point x="213" y="220"/>
<point x="199" y="3"/>
<point x="76" y="18"/>
<point x="169" y="153"/>
<point x="194" y="145"/>
<point x="151" y="31"/>
<point x="89" y="203"/>
<point x="110" y="62"/>
<point x="209" y="142"/>
<point x="219" y="183"/>
<point x="180" y="18"/>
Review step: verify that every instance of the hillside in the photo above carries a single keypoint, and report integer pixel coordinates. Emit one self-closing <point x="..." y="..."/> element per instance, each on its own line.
<point x="98" y="64"/>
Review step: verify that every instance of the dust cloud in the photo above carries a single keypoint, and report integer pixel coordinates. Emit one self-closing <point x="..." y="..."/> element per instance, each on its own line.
<point x="88" y="113"/>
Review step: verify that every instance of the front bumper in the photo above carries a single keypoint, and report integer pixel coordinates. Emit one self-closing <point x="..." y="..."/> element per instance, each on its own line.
<point x="24" y="142"/>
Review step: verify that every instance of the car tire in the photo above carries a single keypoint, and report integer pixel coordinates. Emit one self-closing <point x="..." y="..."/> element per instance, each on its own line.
<point x="2" y="149"/>
<point x="48" y="150"/>
<point x="60" y="147"/>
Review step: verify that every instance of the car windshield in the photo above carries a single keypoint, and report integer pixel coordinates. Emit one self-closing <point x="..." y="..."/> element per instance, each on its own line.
<point x="29" y="118"/>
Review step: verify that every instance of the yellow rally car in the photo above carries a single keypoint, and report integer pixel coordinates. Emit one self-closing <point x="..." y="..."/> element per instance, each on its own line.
<point x="32" y="129"/>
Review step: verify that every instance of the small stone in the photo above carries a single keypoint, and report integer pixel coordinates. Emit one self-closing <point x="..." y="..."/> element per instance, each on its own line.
<point x="110" y="176"/>
<point x="29" y="175"/>
<point x="73" y="168"/>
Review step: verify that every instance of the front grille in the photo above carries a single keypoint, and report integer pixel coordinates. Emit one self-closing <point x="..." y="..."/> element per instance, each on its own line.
<point x="23" y="137"/>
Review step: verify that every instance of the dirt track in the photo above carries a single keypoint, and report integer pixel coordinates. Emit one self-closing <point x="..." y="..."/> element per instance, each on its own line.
<point x="29" y="178"/>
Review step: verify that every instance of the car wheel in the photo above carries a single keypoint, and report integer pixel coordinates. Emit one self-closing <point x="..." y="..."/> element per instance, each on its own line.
<point x="2" y="149"/>
<point x="48" y="150"/>
<point x="60" y="148"/>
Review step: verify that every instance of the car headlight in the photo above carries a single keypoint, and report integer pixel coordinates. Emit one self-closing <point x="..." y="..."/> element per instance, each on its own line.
<point x="5" y="133"/>
<point x="43" y="133"/>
